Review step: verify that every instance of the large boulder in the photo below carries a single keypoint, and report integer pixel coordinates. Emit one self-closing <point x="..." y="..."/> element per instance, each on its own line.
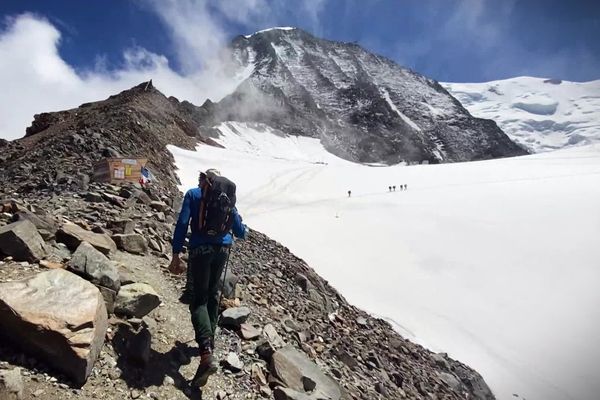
<point x="22" y="241"/>
<point x="136" y="300"/>
<point x="57" y="317"/>
<point x="131" y="243"/>
<point x="72" y="235"/>
<point x="94" y="266"/>
<point x="45" y="224"/>
<point x="294" y="369"/>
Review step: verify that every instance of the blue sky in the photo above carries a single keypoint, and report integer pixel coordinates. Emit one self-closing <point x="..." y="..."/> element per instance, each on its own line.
<point x="459" y="41"/>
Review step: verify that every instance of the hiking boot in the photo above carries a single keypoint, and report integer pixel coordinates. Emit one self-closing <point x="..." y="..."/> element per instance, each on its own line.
<point x="207" y="367"/>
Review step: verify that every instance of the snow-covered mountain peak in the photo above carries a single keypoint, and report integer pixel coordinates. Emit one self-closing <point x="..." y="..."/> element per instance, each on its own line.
<point x="275" y="28"/>
<point x="538" y="113"/>
<point x="361" y="106"/>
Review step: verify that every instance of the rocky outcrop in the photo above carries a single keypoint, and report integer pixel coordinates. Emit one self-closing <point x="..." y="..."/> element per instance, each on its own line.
<point x="22" y="241"/>
<point x="56" y="316"/>
<point x="361" y="106"/>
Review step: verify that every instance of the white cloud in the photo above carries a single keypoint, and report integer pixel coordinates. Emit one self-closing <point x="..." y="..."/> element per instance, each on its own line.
<point x="35" y="78"/>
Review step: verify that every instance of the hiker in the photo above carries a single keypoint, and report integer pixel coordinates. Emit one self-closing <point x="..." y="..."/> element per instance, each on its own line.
<point x="394" y="188"/>
<point x="211" y="208"/>
<point x="349" y="193"/>
<point x="405" y="186"/>
<point x="390" y="188"/>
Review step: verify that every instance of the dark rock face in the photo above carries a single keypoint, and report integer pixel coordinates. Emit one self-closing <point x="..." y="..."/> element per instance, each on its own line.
<point x="362" y="107"/>
<point x="22" y="241"/>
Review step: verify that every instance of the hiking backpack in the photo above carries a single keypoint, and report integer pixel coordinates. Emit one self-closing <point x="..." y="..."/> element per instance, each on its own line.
<point x="216" y="207"/>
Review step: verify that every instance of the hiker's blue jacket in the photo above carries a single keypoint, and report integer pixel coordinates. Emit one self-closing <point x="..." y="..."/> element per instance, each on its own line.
<point x="191" y="209"/>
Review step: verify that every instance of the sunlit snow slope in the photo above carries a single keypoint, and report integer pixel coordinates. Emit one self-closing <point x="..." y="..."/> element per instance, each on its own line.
<point x="495" y="262"/>
<point x="540" y="114"/>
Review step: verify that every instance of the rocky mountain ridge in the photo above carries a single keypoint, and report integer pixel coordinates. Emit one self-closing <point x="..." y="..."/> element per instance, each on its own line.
<point x="363" y="107"/>
<point x="286" y="333"/>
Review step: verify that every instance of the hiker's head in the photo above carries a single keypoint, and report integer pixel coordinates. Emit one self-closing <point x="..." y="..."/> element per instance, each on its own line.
<point x="207" y="177"/>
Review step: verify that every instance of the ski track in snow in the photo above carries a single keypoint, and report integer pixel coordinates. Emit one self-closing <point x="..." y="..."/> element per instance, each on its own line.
<point x="494" y="262"/>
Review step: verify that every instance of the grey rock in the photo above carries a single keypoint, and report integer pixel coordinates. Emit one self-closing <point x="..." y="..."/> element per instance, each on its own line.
<point x="273" y="337"/>
<point x="233" y="363"/>
<point x="57" y="317"/>
<point x="283" y="393"/>
<point x="347" y="359"/>
<point x="59" y="252"/>
<point x="451" y="381"/>
<point x="136" y="300"/>
<point x="303" y="282"/>
<point x="265" y="350"/>
<point x="248" y="332"/>
<point x="440" y="361"/>
<point x="93" y="265"/>
<point x="158" y="206"/>
<point x="11" y="384"/>
<point x="230" y="283"/>
<point x="124" y="226"/>
<point x="131" y="243"/>
<point x="72" y="235"/>
<point x="293" y="368"/>
<point x="234" y="317"/>
<point x="94" y="197"/>
<point x="154" y="245"/>
<point x="109" y="152"/>
<point x="22" y="241"/>
<point x="109" y="296"/>
<point x="141" y="196"/>
<point x="474" y="382"/>
<point x="45" y="224"/>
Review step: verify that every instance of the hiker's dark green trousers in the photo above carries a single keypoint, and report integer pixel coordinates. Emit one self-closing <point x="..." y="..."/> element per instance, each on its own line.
<point x="206" y="263"/>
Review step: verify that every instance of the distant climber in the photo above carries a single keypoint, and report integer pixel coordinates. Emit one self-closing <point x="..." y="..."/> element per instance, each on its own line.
<point x="211" y="208"/>
<point x="390" y="188"/>
<point x="349" y="193"/>
<point x="405" y="186"/>
<point x="394" y="188"/>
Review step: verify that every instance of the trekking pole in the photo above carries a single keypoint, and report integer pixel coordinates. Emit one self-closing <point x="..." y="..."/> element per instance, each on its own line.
<point x="224" y="277"/>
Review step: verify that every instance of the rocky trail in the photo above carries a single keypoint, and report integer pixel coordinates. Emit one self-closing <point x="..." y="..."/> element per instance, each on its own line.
<point x="277" y="304"/>
<point x="88" y="309"/>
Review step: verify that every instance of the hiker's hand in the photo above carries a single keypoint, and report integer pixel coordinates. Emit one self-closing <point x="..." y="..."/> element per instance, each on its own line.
<point x="176" y="266"/>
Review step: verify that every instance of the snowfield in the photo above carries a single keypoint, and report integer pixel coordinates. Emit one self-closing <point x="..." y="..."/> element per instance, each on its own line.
<point x="539" y="114"/>
<point x="495" y="262"/>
